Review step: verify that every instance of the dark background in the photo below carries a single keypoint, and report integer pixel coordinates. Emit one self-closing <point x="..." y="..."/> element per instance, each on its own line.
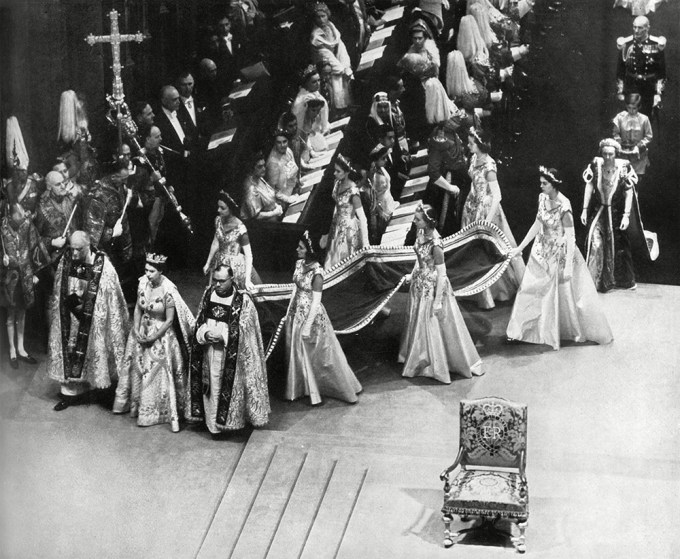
<point x="566" y="103"/>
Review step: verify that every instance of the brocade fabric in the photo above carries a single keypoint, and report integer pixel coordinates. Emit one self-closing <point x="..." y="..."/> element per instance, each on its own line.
<point x="153" y="381"/>
<point x="344" y="237"/>
<point x="108" y="333"/>
<point x="316" y="365"/>
<point x="477" y="206"/>
<point x="432" y="345"/>
<point x="547" y="308"/>
<point x="230" y="251"/>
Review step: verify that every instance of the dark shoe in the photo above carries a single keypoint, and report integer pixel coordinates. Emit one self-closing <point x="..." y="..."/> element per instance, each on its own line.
<point x="13" y="363"/>
<point x="67" y="401"/>
<point x="64" y="403"/>
<point x="28" y="359"/>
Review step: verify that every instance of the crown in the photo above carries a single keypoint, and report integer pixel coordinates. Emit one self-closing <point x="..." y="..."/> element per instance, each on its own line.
<point x="547" y="173"/>
<point x="158" y="259"/>
<point x="493" y="410"/>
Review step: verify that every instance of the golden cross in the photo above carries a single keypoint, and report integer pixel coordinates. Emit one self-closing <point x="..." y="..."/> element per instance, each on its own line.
<point x="115" y="38"/>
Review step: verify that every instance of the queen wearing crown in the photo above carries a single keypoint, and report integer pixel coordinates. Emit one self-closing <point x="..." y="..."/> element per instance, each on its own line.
<point x="153" y="380"/>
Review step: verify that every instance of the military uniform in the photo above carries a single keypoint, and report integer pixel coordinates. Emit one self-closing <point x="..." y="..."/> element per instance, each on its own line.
<point x="642" y="69"/>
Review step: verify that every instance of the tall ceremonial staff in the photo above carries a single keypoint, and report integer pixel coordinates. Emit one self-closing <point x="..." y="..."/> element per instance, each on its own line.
<point x="116" y="99"/>
<point x="119" y="114"/>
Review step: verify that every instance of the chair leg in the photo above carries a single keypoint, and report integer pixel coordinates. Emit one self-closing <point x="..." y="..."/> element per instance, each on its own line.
<point x="449" y="538"/>
<point x="520" y="541"/>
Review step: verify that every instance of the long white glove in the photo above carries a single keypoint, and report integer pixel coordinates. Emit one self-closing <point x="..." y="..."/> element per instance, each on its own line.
<point x="571" y="249"/>
<point x="439" y="290"/>
<point x="248" y="254"/>
<point x="313" y="310"/>
<point x="363" y="226"/>
<point x="496" y="198"/>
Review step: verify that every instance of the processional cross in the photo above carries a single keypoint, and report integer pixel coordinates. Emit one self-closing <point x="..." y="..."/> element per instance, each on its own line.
<point x="117" y="98"/>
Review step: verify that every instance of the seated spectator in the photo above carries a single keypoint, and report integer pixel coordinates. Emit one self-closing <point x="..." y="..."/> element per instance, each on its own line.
<point x="260" y="199"/>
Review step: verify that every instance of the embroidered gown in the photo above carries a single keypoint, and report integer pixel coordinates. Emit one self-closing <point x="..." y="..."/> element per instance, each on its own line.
<point x="608" y="249"/>
<point x="229" y="251"/>
<point x="431" y="345"/>
<point x="477" y="205"/>
<point x="153" y="380"/>
<point x="344" y="237"/>
<point x="548" y="309"/>
<point x="316" y="365"/>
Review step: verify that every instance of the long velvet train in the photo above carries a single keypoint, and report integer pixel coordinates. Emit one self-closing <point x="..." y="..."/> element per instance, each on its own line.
<point x="359" y="286"/>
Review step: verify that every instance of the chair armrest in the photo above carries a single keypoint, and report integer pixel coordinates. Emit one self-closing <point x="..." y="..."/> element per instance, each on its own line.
<point x="444" y="476"/>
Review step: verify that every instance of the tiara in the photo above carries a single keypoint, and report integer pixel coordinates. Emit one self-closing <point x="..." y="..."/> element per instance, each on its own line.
<point x="320" y="7"/>
<point x="547" y="173"/>
<point x="377" y="149"/>
<point x="153" y="258"/>
<point x="226" y="195"/>
<point x="610" y="143"/>
<point x="308" y="241"/>
<point x="308" y="71"/>
<point x="421" y="208"/>
<point x="419" y="25"/>
<point x="473" y="132"/>
<point x="344" y="161"/>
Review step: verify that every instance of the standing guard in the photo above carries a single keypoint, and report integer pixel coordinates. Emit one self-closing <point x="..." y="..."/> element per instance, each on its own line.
<point x="642" y="66"/>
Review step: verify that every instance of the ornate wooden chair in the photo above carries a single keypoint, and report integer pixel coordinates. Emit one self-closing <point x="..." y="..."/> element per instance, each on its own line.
<point x="491" y="484"/>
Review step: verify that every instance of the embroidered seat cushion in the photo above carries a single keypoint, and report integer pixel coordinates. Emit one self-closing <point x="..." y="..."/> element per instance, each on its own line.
<point x="476" y="493"/>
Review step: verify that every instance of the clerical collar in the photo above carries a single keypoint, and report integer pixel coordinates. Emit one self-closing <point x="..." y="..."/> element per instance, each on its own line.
<point x="228" y="294"/>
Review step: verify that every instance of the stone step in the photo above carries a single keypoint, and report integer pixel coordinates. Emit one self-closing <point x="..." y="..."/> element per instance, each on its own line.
<point x="302" y="509"/>
<point x="234" y="508"/>
<point x="270" y="502"/>
<point x="440" y="446"/>
<point x="335" y="512"/>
